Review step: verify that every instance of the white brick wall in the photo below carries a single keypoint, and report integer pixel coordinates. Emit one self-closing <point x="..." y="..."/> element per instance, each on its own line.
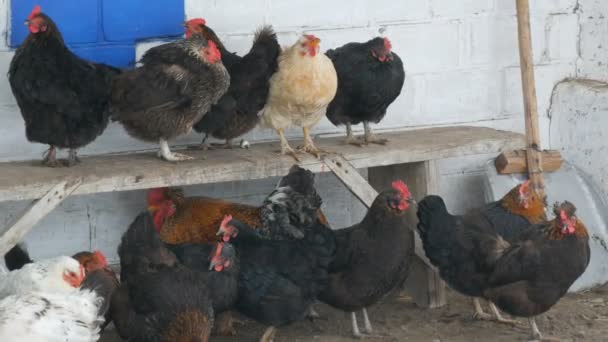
<point x="461" y="59"/>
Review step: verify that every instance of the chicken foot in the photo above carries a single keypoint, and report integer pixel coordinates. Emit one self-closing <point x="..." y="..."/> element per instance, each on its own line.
<point x="369" y="137"/>
<point x="269" y="334"/>
<point x="309" y="146"/>
<point x="72" y="158"/>
<point x="166" y="154"/>
<point x="350" y="138"/>
<point x="536" y="335"/>
<point x="496" y="317"/>
<point x="50" y="157"/>
<point x="285" y="148"/>
<point x="367" y="328"/>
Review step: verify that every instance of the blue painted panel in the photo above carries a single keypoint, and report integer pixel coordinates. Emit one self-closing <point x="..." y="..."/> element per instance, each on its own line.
<point x="77" y="20"/>
<point x="121" y="56"/>
<point x="141" y="19"/>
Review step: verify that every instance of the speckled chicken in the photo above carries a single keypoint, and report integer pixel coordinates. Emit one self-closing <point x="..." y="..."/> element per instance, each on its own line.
<point x="236" y="113"/>
<point x="176" y="86"/>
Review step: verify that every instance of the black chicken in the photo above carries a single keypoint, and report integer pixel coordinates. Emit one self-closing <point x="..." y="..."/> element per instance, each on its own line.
<point x="63" y="98"/>
<point x="279" y="279"/>
<point x="509" y="217"/>
<point x="524" y="276"/>
<point x="176" y="86"/>
<point x="162" y="299"/>
<point x="370" y="78"/>
<point x="236" y="113"/>
<point x="373" y="256"/>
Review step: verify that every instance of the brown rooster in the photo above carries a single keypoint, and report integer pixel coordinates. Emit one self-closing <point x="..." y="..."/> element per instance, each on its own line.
<point x="195" y="219"/>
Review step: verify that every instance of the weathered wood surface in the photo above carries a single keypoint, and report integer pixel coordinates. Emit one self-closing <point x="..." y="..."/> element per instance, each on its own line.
<point x="510" y="162"/>
<point x="35" y="212"/>
<point x="119" y="172"/>
<point x="352" y="179"/>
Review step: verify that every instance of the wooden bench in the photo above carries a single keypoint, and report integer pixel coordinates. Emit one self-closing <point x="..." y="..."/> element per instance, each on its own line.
<point x="409" y="155"/>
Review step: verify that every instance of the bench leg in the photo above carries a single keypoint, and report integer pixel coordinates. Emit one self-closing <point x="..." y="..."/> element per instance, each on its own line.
<point x="37" y="210"/>
<point x="423" y="284"/>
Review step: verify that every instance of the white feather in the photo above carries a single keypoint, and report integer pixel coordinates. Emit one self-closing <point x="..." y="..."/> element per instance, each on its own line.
<point x="50" y="317"/>
<point x="44" y="275"/>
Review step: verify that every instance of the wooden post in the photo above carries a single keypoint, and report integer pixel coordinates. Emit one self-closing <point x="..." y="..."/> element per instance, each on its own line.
<point x="424" y="283"/>
<point x="34" y="213"/>
<point x="526" y="60"/>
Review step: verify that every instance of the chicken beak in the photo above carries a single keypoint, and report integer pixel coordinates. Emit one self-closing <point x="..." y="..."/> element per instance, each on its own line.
<point x="315" y="42"/>
<point x="221" y="231"/>
<point x="212" y="264"/>
<point x="412" y="201"/>
<point x="26" y="23"/>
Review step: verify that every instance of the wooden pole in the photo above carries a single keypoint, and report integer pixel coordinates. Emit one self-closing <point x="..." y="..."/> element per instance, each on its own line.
<point x="526" y="60"/>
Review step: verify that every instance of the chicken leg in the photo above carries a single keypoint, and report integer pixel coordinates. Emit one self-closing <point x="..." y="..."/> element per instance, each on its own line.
<point x="498" y="317"/>
<point x="166" y="154"/>
<point x="50" y="157"/>
<point x="202" y="146"/>
<point x="72" y="158"/>
<point x="536" y="334"/>
<point x="309" y="146"/>
<point x="367" y="328"/>
<point x="285" y="148"/>
<point x="479" y="314"/>
<point x="269" y="334"/>
<point x="350" y="139"/>
<point x="370" y="137"/>
<point x="226" y="145"/>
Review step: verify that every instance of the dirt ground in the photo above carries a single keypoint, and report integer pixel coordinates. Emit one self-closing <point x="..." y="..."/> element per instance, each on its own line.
<point x="577" y="317"/>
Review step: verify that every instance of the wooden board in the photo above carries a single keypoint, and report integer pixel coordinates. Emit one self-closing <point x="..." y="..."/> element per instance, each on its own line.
<point x="516" y="161"/>
<point x="119" y="172"/>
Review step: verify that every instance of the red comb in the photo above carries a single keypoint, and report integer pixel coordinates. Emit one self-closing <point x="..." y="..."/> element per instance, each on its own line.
<point x="218" y="249"/>
<point x="100" y="258"/>
<point x="400" y="186"/>
<point x="524" y="187"/>
<point x="387" y="44"/>
<point x="34" y="12"/>
<point x="563" y="216"/>
<point x="226" y="219"/>
<point x="310" y="36"/>
<point x="156" y="195"/>
<point x="196" y="21"/>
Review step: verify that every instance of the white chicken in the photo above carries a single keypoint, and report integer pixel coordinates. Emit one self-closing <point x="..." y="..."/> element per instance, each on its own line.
<point x="51" y="317"/>
<point x="300" y="92"/>
<point x="56" y="275"/>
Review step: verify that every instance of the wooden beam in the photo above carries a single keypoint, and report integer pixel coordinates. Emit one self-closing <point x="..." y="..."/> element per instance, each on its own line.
<point x="526" y="61"/>
<point x="122" y="172"/>
<point x="352" y="179"/>
<point x="516" y="161"/>
<point x="424" y="283"/>
<point x="35" y="212"/>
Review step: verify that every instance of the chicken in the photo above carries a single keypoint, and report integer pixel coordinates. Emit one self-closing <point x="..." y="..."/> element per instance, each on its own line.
<point x="174" y="89"/>
<point x="161" y="298"/>
<point x="236" y="113"/>
<point x="51" y="317"/>
<point x="370" y="78"/>
<point x="529" y="276"/>
<point x="509" y="217"/>
<point x="17" y="257"/>
<point x="56" y="275"/>
<point x="195" y="219"/>
<point x="63" y="99"/>
<point x="373" y="256"/>
<point x="300" y="92"/>
<point x="279" y="280"/>
<point x="98" y="276"/>
<point x="524" y="276"/>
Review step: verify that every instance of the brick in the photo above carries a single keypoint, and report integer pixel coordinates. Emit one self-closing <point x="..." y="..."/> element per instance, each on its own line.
<point x="460" y="95"/>
<point x="427" y="47"/>
<point x="546" y="77"/>
<point x="493" y="40"/>
<point x="394" y="11"/>
<point x="229" y="16"/>
<point x="563" y="36"/>
<point x="538" y="7"/>
<point x="461" y="8"/>
<point x="317" y="13"/>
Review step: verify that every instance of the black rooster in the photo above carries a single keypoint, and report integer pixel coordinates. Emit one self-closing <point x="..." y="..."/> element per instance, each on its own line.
<point x="63" y="98"/>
